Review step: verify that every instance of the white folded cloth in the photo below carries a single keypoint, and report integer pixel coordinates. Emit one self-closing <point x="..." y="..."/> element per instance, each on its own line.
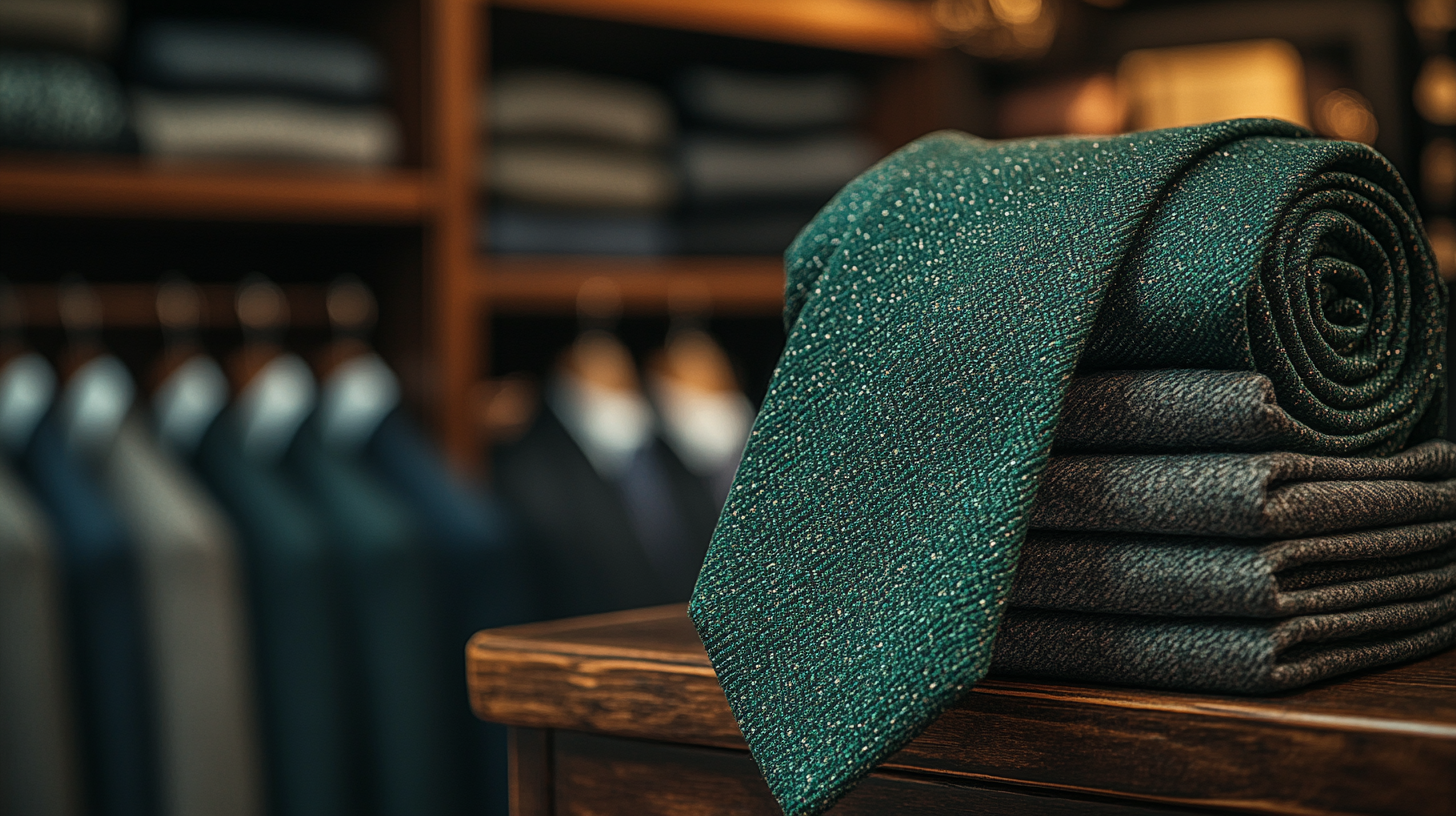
<point x="263" y="127"/>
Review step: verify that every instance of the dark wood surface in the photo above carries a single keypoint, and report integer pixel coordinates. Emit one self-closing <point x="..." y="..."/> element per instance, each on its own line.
<point x="1379" y="742"/>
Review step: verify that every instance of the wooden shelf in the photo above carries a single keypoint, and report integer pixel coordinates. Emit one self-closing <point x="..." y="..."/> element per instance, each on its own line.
<point x="122" y="187"/>
<point x="134" y="305"/>
<point x="550" y="284"/>
<point x="899" y="28"/>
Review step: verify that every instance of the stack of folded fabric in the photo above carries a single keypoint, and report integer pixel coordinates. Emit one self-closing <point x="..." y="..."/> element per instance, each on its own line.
<point x="54" y="92"/>
<point x="228" y="90"/>
<point x="1231" y="571"/>
<point x="1161" y="409"/>
<point x="577" y="164"/>
<point x="765" y="152"/>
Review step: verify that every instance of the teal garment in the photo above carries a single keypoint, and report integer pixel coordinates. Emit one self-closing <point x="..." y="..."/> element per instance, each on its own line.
<point x="937" y="309"/>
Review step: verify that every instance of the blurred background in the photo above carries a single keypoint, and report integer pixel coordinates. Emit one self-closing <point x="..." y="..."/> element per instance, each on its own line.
<point x="332" y="332"/>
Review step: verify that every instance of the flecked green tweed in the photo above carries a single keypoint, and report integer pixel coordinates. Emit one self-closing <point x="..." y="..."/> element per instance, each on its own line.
<point x="938" y="308"/>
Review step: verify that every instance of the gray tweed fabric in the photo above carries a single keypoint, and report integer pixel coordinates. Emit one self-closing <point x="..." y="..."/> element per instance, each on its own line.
<point x="1182" y="410"/>
<point x="1200" y="576"/>
<point x="1220" y="654"/>
<point x="1253" y="495"/>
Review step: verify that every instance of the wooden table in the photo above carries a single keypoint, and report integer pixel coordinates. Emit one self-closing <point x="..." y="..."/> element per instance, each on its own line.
<point x="621" y="714"/>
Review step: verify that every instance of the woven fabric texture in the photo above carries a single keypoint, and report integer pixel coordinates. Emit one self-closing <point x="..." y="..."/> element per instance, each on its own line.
<point x="1230" y="577"/>
<point x="937" y="310"/>
<point x="1179" y="410"/>
<point x="1246" y="494"/>
<point x="1225" y="655"/>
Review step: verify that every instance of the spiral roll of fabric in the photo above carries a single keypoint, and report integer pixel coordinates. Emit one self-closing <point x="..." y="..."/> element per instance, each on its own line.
<point x="938" y="309"/>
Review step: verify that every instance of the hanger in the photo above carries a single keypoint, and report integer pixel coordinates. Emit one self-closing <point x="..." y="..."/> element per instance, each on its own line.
<point x="27" y="380"/>
<point x="188" y="387"/>
<point x="97" y="391"/>
<point x="595" y="390"/>
<point x="275" y="392"/>
<point x="705" y="419"/>
<point x="358" y="389"/>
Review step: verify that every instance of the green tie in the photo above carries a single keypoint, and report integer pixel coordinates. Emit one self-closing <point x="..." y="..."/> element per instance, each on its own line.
<point x="937" y="309"/>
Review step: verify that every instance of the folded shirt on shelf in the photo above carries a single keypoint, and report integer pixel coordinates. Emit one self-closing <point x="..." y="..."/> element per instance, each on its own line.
<point x="567" y="174"/>
<point x="263" y="127"/>
<point x="764" y="101"/>
<point x="60" y="102"/>
<point x="89" y="26"/>
<point x="515" y="230"/>
<point x="559" y="103"/>
<point x="215" y="56"/>
<point x="719" y="167"/>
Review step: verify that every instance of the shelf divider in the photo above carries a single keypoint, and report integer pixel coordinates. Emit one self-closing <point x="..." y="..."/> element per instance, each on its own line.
<point x="549" y="284"/>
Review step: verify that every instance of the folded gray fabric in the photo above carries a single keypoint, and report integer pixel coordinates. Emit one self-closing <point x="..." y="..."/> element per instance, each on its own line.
<point x="1168" y="410"/>
<point x="58" y="101"/>
<point x="556" y="103"/>
<point x="1220" y="655"/>
<point x="1192" y="576"/>
<point x="741" y="99"/>
<point x="719" y="168"/>
<point x="1253" y="495"/>
<point x="218" y="56"/>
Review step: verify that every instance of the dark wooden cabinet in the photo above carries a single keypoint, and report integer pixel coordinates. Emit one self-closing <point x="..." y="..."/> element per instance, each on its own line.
<point x="621" y="714"/>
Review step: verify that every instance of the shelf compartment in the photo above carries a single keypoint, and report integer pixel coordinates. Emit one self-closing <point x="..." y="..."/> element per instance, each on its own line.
<point x="888" y="27"/>
<point x="524" y="284"/>
<point x="126" y="187"/>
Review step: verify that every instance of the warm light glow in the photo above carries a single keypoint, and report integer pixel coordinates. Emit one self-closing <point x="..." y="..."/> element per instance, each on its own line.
<point x="1435" y="16"/>
<point x="997" y="29"/>
<point x="1435" y="92"/>
<point x="1438" y="172"/>
<point x="1191" y="85"/>
<point x="1442" y="233"/>
<point x="1345" y="114"/>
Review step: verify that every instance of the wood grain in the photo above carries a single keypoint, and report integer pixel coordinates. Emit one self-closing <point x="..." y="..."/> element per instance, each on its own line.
<point x="531" y="771"/>
<point x="122" y="187"/>
<point x="1381" y="742"/>
<point x="549" y="284"/>
<point x="606" y="776"/>
<point x="889" y="27"/>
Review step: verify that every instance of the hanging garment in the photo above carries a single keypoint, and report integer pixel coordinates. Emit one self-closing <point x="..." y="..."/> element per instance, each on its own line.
<point x="197" y="641"/>
<point x="937" y="310"/>
<point x="478" y="569"/>
<point x="107" y="627"/>
<point x="389" y="598"/>
<point x="604" y="543"/>
<point x="38" y="771"/>
<point x="298" y="640"/>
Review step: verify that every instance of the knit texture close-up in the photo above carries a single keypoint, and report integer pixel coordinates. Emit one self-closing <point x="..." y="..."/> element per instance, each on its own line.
<point x="937" y="311"/>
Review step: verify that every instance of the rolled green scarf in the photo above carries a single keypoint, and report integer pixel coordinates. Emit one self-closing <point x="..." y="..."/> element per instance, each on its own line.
<point x="938" y="309"/>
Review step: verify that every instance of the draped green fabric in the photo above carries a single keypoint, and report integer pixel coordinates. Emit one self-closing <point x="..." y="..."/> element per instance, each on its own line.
<point x="937" y="310"/>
